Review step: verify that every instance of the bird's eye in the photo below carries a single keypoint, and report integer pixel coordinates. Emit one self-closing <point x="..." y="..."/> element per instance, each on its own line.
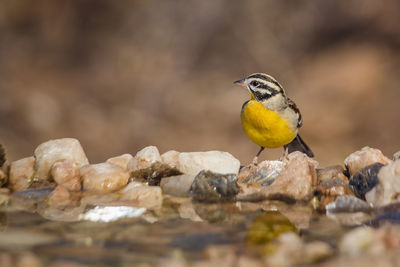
<point x="254" y="83"/>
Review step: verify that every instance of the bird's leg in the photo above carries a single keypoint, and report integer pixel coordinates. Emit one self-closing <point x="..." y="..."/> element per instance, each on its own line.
<point x="255" y="160"/>
<point x="285" y="153"/>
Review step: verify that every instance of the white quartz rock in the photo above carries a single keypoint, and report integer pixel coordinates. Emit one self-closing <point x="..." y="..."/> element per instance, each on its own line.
<point x="144" y="158"/>
<point x="46" y="154"/>
<point x="103" y="177"/>
<point x="216" y="161"/>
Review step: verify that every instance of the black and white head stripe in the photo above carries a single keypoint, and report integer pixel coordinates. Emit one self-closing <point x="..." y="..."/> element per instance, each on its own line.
<point x="263" y="86"/>
<point x="265" y="79"/>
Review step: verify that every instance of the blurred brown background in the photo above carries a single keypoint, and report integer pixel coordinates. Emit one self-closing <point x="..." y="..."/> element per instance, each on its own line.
<point x="121" y="75"/>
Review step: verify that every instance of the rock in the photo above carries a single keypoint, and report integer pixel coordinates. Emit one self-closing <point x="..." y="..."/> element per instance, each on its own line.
<point x="263" y="173"/>
<point x="65" y="173"/>
<point x="121" y="161"/>
<point x="144" y="158"/>
<point x="21" y="173"/>
<point x="364" y="157"/>
<point x="216" y="161"/>
<point x="3" y="178"/>
<point x="209" y="186"/>
<point x="103" y="177"/>
<point x="153" y="174"/>
<point x="170" y="158"/>
<point x="348" y="204"/>
<point x="177" y="185"/>
<point x="295" y="181"/>
<point x="396" y="156"/>
<point x="60" y="197"/>
<point x="149" y="197"/>
<point x="331" y="172"/>
<point x="46" y="154"/>
<point x="328" y="190"/>
<point x="365" y="179"/>
<point x="3" y="158"/>
<point x="388" y="188"/>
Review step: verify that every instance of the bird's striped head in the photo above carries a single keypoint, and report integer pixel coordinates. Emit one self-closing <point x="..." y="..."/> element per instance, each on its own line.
<point x="261" y="86"/>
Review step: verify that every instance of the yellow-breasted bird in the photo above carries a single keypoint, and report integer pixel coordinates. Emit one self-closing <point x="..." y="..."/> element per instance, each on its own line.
<point x="271" y="119"/>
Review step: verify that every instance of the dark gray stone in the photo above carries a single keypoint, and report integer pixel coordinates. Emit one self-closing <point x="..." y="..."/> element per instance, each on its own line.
<point x="365" y="179"/>
<point x="211" y="187"/>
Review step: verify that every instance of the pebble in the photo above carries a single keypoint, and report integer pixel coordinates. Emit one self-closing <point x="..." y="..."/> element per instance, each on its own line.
<point x="3" y="157"/>
<point x="121" y="161"/>
<point x="60" y="197"/>
<point x="152" y="175"/>
<point x="364" y="157"/>
<point x="388" y="188"/>
<point x="64" y="172"/>
<point x="264" y="173"/>
<point x="170" y="158"/>
<point x="295" y="181"/>
<point x="396" y="156"/>
<point x="103" y="177"/>
<point x="216" y="161"/>
<point x="329" y="190"/>
<point x="3" y="178"/>
<point x="365" y="179"/>
<point x="145" y="196"/>
<point x="144" y="158"/>
<point x="21" y="173"/>
<point x="177" y="185"/>
<point x="46" y="154"/>
<point x="348" y="204"/>
<point x="331" y="172"/>
<point x="209" y="186"/>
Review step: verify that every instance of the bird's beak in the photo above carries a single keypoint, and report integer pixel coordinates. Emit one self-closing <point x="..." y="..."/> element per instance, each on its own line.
<point x="241" y="82"/>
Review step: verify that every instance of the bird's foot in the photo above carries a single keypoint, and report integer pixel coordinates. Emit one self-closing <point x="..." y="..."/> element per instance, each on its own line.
<point x="255" y="161"/>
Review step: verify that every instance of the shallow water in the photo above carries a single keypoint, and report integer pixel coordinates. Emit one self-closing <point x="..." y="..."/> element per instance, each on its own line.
<point x="180" y="229"/>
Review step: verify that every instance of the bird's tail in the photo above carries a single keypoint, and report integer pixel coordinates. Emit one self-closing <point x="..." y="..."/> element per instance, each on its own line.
<point x="299" y="145"/>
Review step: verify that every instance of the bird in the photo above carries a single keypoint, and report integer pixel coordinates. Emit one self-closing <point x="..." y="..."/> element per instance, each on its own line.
<point x="270" y="118"/>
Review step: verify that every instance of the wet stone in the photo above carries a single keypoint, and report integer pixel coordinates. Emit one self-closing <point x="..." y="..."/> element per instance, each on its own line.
<point x="153" y="174"/>
<point x="46" y="154"/>
<point x="329" y="190"/>
<point x="388" y="188"/>
<point x="295" y="181"/>
<point x="364" y="157"/>
<point x="331" y="172"/>
<point x="3" y="178"/>
<point x="65" y="173"/>
<point x="170" y="158"/>
<point x="365" y="179"/>
<point x="2" y="155"/>
<point x="177" y="185"/>
<point x="263" y="173"/>
<point x="59" y="198"/>
<point x="121" y="161"/>
<point x="216" y="161"/>
<point x="209" y="186"/>
<point x="396" y="156"/>
<point x="21" y="173"/>
<point x="103" y="177"/>
<point x="144" y="158"/>
<point x="348" y="204"/>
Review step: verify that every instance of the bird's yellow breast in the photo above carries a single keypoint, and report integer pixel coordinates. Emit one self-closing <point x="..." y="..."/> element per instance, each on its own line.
<point x="266" y="127"/>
